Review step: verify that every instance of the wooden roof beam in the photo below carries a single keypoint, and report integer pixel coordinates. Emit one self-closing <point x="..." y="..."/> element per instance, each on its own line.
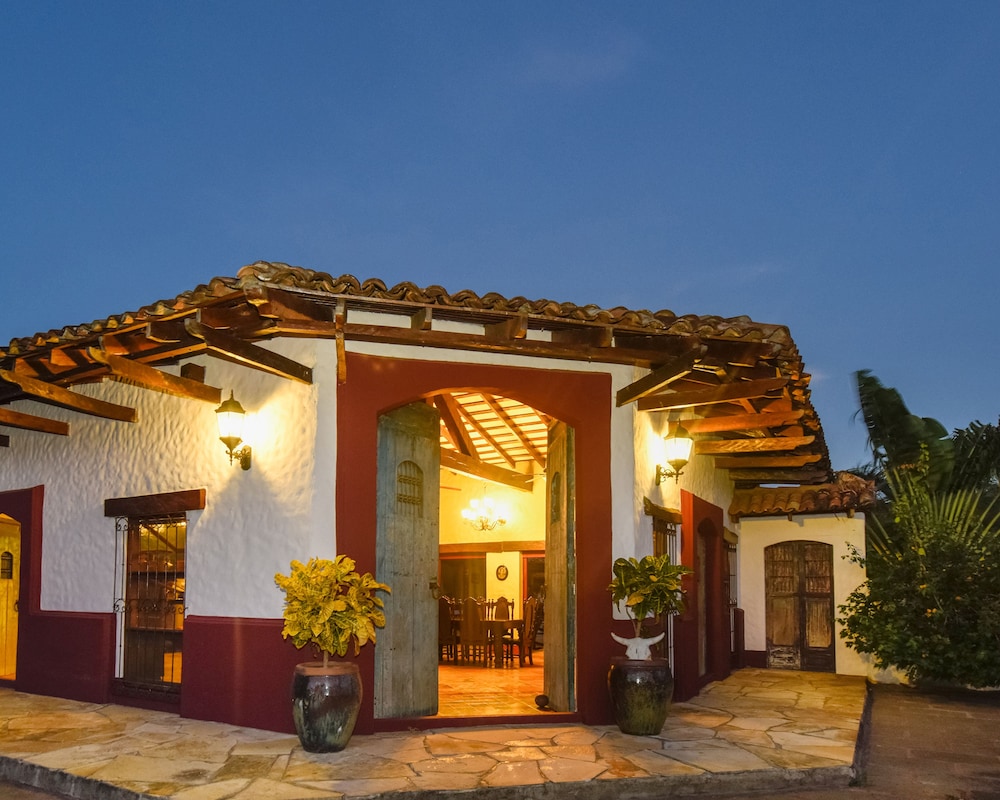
<point x="765" y="462"/>
<point x="274" y="303"/>
<point x="740" y="422"/>
<point x="234" y="349"/>
<point x="458" y="434"/>
<point x="599" y="336"/>
<point x="515" y="429"/>
<point x="29" y="422"/>
<point x="486" y="435"/>
<point x="796" y="476"/>
<point x="157" y="380"/>
<point x="778" y="443"/>
<point x="725" y="393"/>
<point x="511" y="328"/>
<point x="473" y="467"/>
<point x="56" y="395"/>
<point x="661" y="376"/>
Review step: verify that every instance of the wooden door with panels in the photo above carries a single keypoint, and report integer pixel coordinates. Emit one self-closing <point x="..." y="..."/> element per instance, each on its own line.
<point x="799" y="611"/>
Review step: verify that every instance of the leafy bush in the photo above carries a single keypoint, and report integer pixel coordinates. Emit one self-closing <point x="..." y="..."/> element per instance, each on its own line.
<point x="330" y="605"/>
<point x="931" y="603"/>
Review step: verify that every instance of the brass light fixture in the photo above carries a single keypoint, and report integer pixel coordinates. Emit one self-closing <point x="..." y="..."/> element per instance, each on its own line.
<point x="230" y="417"/>
<point x="677" y="452"/>
<point x="484" y="515"/>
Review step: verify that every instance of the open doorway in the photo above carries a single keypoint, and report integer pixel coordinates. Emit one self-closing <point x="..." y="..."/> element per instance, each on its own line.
<point x="502" y="539"/>
<point x="10" y="581"/>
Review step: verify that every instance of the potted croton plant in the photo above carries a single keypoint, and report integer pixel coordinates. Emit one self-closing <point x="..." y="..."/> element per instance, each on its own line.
<point x="642" y="686"/>
<point x="332" y="607"/>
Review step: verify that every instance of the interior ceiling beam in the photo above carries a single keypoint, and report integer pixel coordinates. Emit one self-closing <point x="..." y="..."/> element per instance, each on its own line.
<point x="515" y="429"/>
<point x="474" y="468"/>
<point x="477" y="425"/>
<point x="726" y="393"/>
<point x="157" y="380"/>
<point x="778" y="443"/>
<point x="235" y="349"/>
<point x="451" y="418"/>
<point x="662" y="375"/>
<point x="29" y="422"/>
<point x="765" y="462"/>
<point x="740" y="422"/>
<point x="56" y="395"/>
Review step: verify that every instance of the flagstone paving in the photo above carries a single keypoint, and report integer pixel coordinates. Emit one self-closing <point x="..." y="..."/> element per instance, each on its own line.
<point x="758" y="729"/>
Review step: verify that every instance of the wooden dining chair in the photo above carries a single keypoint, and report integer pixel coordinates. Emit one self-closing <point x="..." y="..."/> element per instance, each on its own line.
<point x="472" y="632"/>
<point x="447" y="635"/>
<point x="501" y="609"/>
<point x="524" y="639"/>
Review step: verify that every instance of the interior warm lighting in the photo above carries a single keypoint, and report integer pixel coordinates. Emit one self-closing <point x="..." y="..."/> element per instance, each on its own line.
<point x="677" y="452"/>
<point x="483" y="514"/>
<point x="230" y="416"/>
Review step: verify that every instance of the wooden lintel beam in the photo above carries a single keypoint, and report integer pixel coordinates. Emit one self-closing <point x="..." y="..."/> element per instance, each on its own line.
<point x="29" y="422"/>
<point x="250" y="355"/>
<point x="157" y="380"/>
<point x="510" y="328"/>
<point x="740" y="422"/>
<point x="50" y="393"/>
<point x="774" y="444"/>
<point x="661" y="376"/>
<point x="765" y="462"/>
<point x="725" y="393"/>
<point x="473" y="467"/>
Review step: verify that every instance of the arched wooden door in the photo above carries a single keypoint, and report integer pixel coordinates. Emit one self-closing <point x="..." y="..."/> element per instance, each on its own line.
<point x="799" y="596"/>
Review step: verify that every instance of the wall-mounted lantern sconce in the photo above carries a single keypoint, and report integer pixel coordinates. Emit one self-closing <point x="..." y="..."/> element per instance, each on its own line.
<point x="230" y="416"/>
<point x="677" y="452"/>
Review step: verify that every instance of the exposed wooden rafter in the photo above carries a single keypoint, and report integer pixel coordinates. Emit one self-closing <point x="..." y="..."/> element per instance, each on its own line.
<point x="726" y="393"/>
<point x="29" y="422"/>
<point x="235" y="349"/>
<point x="451" y="417"/>
<point x="50" y="393"/>
<point x="662" y="375"/>
<point x="777" y="443"/>
<point x="151" y="378"/>
<point x="739" y="422"/>
<point x="516" y="430"/>
<point x="765" y="462"/>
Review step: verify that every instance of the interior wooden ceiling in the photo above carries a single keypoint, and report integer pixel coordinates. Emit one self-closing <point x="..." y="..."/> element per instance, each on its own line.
<point x="736" y="385"/>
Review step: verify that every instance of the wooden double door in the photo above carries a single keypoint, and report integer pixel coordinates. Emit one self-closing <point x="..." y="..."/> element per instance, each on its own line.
<point x="800" y="613"/>
<point x="407" y="546"/>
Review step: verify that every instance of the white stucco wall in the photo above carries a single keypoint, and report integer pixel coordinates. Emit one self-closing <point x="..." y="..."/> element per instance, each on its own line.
<point x="837" y="530"/>
<point x="254" y="522"/>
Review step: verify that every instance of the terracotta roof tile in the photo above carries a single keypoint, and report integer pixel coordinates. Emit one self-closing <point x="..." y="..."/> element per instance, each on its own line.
<point x="848" y="494"/>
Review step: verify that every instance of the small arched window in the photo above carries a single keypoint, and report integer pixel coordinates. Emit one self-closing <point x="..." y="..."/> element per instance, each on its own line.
<point x="6" y="566"/>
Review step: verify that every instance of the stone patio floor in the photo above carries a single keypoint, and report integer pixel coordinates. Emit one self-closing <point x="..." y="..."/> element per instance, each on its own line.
<point x="756" y="730"/>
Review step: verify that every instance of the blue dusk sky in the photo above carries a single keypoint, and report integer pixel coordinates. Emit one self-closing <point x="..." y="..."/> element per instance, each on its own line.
<point x="833" y="167"/>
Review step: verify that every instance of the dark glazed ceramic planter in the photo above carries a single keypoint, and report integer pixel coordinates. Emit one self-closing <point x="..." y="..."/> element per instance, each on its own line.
<point x="641" y="692"/>
<point x="325" y="704"/>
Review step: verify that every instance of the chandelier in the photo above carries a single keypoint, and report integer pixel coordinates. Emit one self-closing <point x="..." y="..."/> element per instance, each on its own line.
<point x="484" y="514"/>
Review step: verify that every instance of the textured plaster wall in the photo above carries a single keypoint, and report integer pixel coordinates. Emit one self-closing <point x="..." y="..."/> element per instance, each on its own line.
<point x="254" y="522"/>
<point x="839" y="531"/>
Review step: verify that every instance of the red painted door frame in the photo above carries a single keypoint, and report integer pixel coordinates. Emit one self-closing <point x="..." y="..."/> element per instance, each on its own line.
<point x="581" y="399"/>
<point x="702" y="519"/>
